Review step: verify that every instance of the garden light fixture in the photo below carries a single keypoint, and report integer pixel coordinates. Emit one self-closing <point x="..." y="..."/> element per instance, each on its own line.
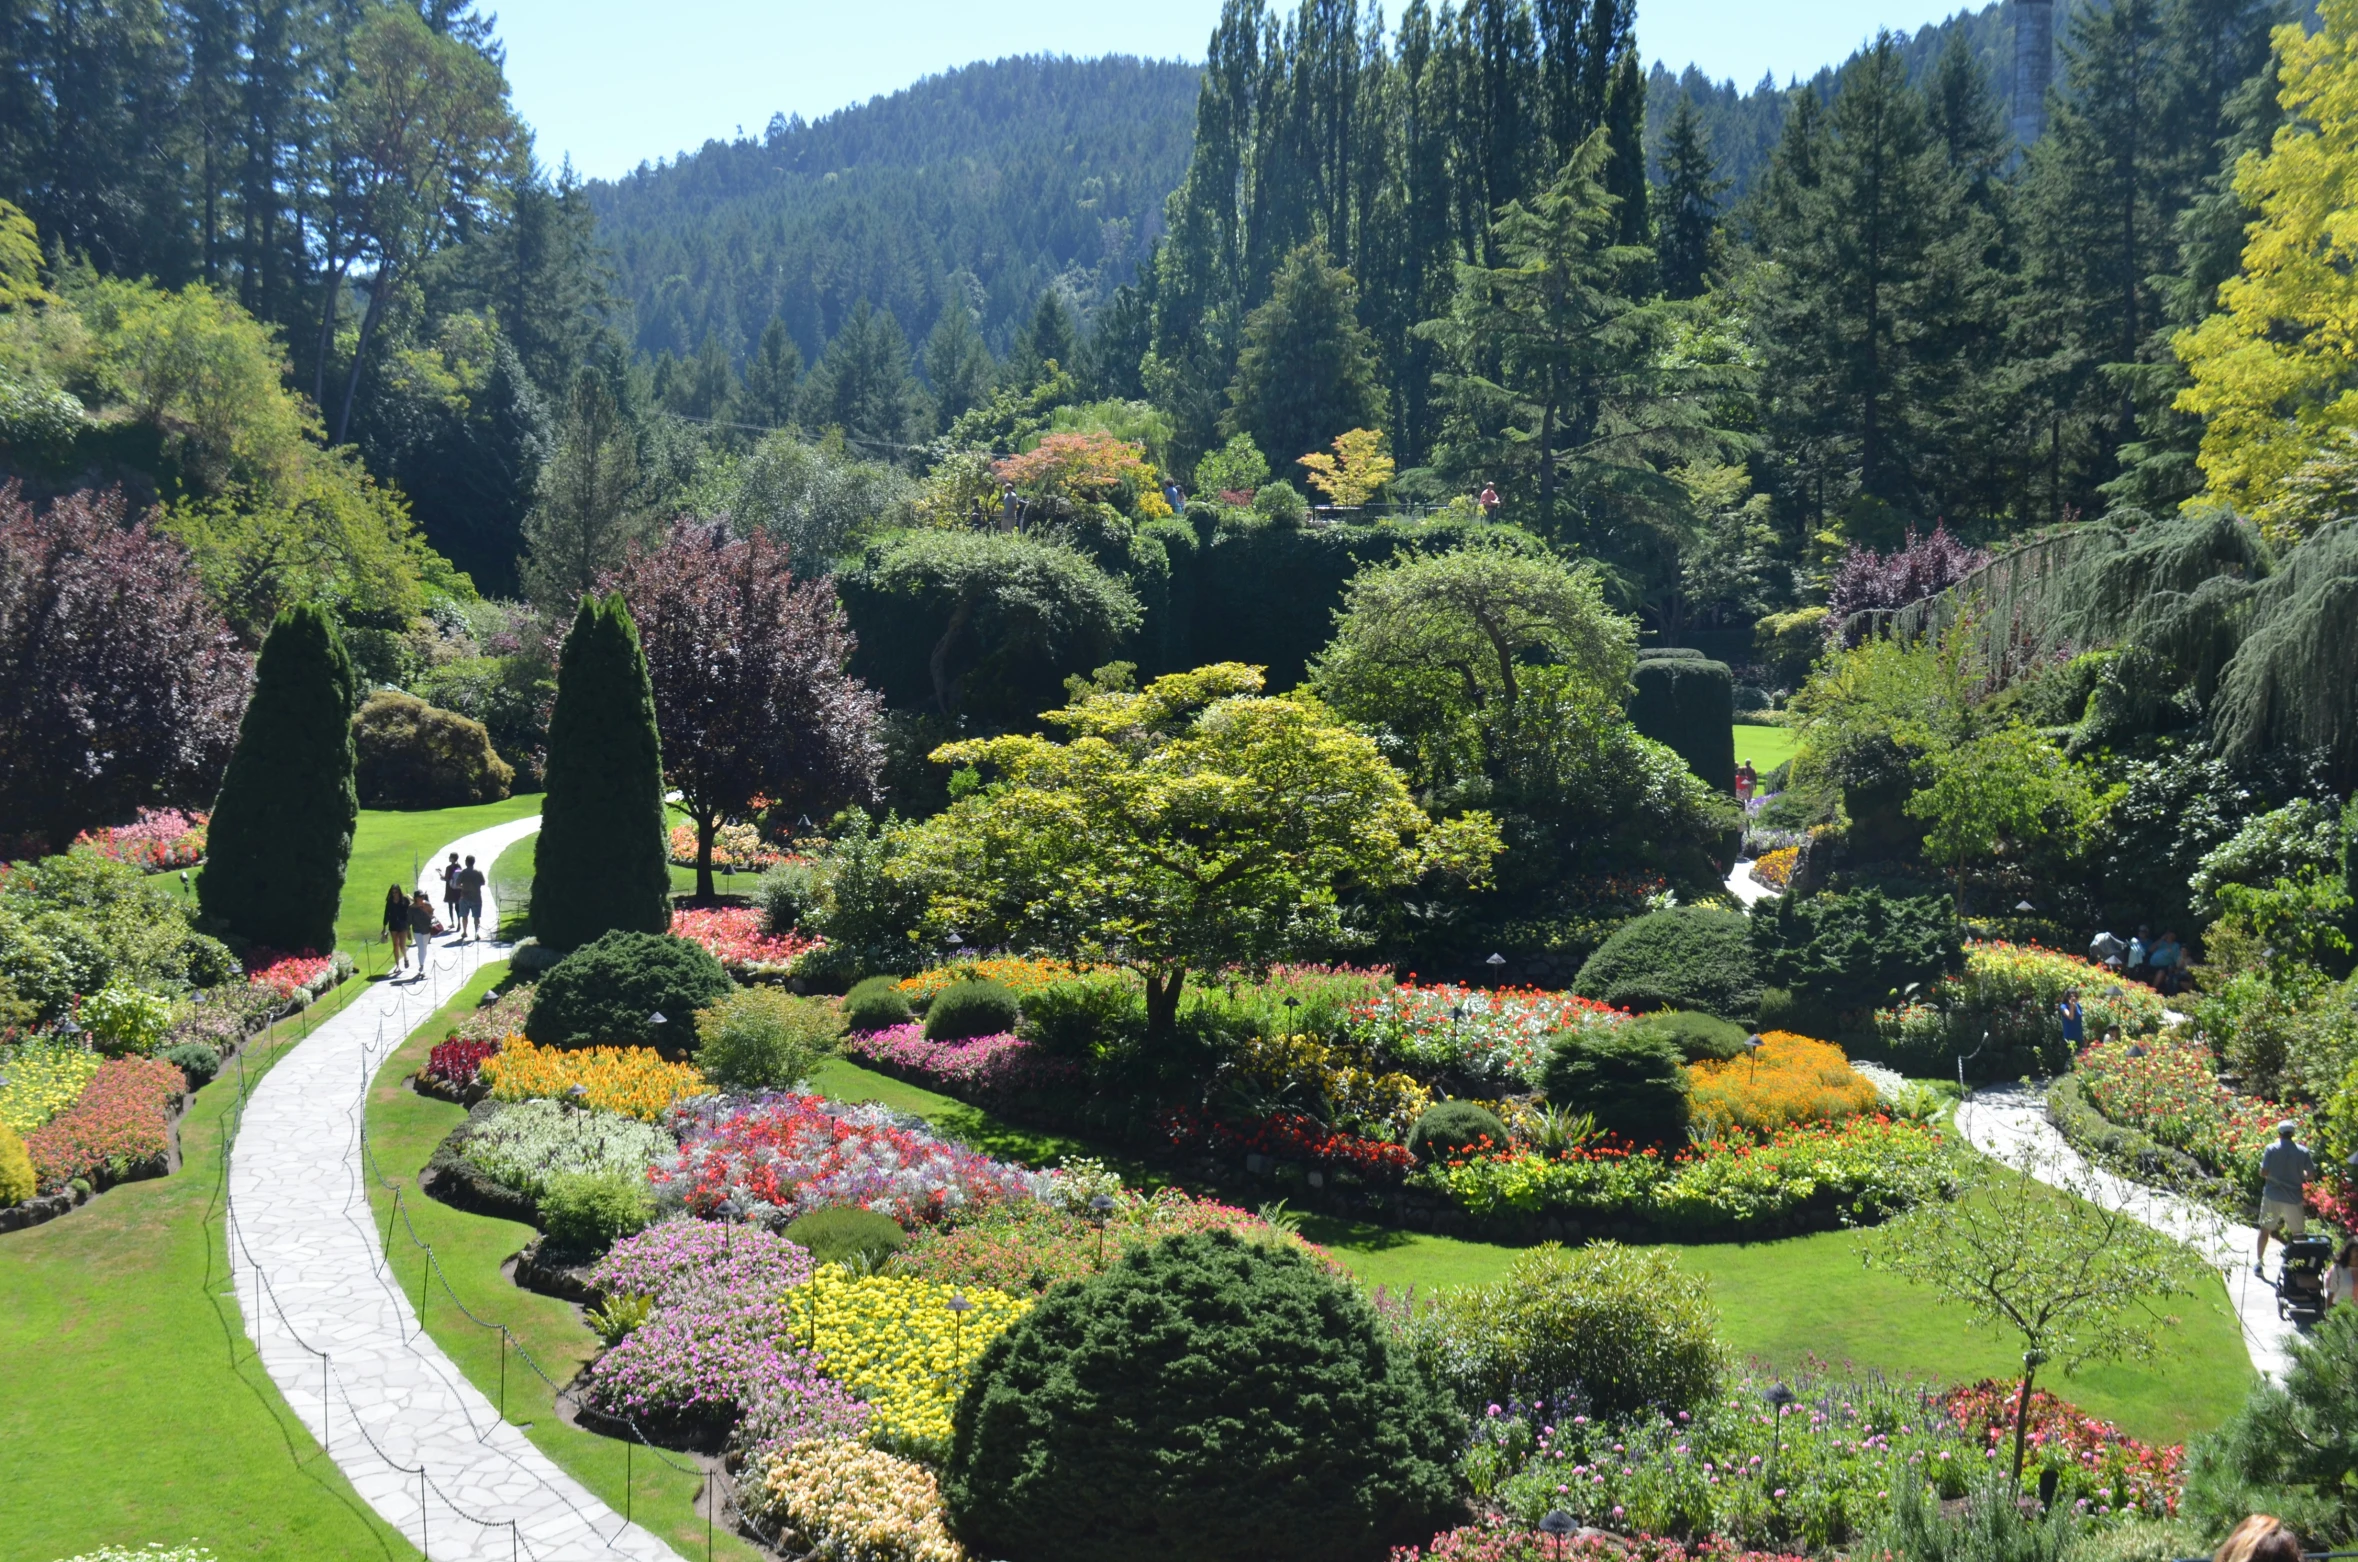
<point x="658" y="1018"/>
<point x="2024" y="906"/>
<point x="1555" y="1526"/>
<point x="1099" y="1208"/>
<point x="1778" y="1396"/>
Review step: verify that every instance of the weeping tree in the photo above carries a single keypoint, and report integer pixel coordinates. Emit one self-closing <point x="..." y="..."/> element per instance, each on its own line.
<point x="2294" y="680"/>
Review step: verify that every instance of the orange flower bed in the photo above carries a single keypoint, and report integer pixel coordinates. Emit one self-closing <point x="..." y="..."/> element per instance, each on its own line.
<point x="1791" y="1079"/>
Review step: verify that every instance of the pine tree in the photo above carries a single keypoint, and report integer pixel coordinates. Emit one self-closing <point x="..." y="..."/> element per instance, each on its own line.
<point x="1049" y="339"/>
<point x="602" y="860"/>
<point x="282" y="828"/>
<point x="1307" y="372"/>
<point x="1686" y="240"/>
<point x="957" y="362"/>
<point x="772" y="376"/>
<point x="589" y="503"/>
<point x="863" y="387"/>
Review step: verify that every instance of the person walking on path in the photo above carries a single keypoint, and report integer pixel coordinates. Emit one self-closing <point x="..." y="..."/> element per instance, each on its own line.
<point x="2284" y="1171"/>
<point x="450" y="888"/>
<point x="2074" y="1022"/>
<point x="2341" y="1282"/>
<point x="2260" y="1539"/>
<point x="1747" y="781"/>
<point x="470" y="901"/>
<point x="397" y="924"/>
<point x="421" y="926"/>
<point x="2137" y="967"/>
<point x="2166" y="958"/>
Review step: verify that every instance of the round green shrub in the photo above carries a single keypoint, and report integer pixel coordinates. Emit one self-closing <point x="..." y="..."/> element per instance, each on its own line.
<point x="409" y="754"/>
<point x="606" y="993"/>
<point x="207" y="962"/>
<point x="877" y="1004"/>
<point x="790" y="896"/>
<point x="1453" y="1127"/>
<point x="1699" y="1037"/>
<point x="17" y="1181"/>
<point x="1206" y="1399"/>
<point x="1620" y="1329"/>
<point x="198" y="1061"/>
<point x="845" y="1232"/>
<point x="1689" y="957"/>
<point x="1281" y="504"/>
<point x="760" y="1038"/>
<point x="965" y="1010"/>
<point x="586" y="1213"/>
<point x="1089" y="1016"/>
<point x="1635" y="1084"/>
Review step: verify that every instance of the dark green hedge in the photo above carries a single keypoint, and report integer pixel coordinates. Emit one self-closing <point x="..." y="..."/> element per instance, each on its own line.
<point x="1690" y="704"/>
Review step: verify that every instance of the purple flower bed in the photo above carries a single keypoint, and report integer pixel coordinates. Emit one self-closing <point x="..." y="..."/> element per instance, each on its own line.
<point x="785" y="1412"/>
<point x="677" y="1255"/>
<point x="715" y="1342"/>
<point x="985" y="1066"/>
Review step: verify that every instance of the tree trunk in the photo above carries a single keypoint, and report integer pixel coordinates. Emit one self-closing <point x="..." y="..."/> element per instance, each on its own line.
<point x="706" y="826"/>
<point x="1162" y="1006"/>
<point x="2030" y="1370"/>
<point x="368" y="326"/>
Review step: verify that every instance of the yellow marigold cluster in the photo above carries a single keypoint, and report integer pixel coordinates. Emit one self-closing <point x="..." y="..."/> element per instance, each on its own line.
<point x="1791" y="1079"/>
<point x="858" y="1504"/>
<point x="38" y="1082"/>
<point x="634" y="1081"/>
<point x="1022" y="976"/>
<point x="899" y="1343"/>
<point x="1352" y="1094"/>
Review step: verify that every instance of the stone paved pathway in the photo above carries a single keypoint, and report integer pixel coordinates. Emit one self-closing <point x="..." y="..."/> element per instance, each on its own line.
<point x="2008" y="1121"/>
<point x="308" y="1260"/>
<point x="1744" y="886"/>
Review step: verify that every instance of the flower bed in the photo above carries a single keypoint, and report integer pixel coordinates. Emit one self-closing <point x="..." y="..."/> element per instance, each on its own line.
<point x="1860" y="1170"/>
<point x="294" y="978"/>
<point x="734" y="936"/>
<point x="841" y="1500"/>
<point x="158" y="839"/>
<point x="672" y="1257"/>
<point x="896" y="1341"/>
<point x="1020" y="975"/>
<point x="525" y="1146"/>
<point x="986" y="1067"/>
<point x="2169" y="1088"/>
<point x="1355" y="1098"/>
<point x="40" y="1079"/>
<point x="1031" y="1245"/>
<point x="630" y="1081"/>
<point x="121" y="1124"/>
<point x="1774" y="869"/>
<point x="1506" y="1542"/>
<point x="2011" y="992"/>
<point x="1495" y="1034"/>
<point x="2116" y="1472"/>
<point x="1789" y="1079"/>
<point x="794" y="1153"/>
<point x="736" y="848"/>
<point x="454" y="1065"/>
<point x="1287" y="1136"/>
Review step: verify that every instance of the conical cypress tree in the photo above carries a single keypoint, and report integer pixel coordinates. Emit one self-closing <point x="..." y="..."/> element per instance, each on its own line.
<point x="282" y="827"/>
<point x="601" y="861"/>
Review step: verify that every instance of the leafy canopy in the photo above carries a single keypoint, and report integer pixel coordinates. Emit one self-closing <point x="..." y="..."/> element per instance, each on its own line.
<point x="1193" y="825"/>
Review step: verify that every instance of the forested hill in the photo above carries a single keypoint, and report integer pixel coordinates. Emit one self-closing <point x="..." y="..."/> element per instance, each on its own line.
<point x="1015" y="172"/>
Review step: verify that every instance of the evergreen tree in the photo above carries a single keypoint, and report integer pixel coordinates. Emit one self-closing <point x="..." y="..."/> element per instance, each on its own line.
<point x="773" y="376"/>
<point x="282" y="828"/>
<point x="1625" y="136"/>
<point x="1049" y="339"/>
<point x="602" y="860"/>
<point x="863" y="387"/>
<point x="1686" y="239"/>
<point x="957" y="363"/>
<point x="590" y="505"/>
<point x="1308" y="370"/>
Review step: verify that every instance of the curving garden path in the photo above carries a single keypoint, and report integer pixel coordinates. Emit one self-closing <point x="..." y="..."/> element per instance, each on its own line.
<point x="337" y="1335"/>
<point x="2010" y="1123"/>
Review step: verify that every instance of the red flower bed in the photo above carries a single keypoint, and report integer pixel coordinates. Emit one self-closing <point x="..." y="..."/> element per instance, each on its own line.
<point x="285" y="974"/>
<point x="1503" y="1542"/>
<point x="734" y="936"/>
<point x="799" y="1154"/>
<point x="121" y="1122"/>
<point x="1288" y="1136"/>
<point x="2139" y="1476"/>
<point x="457" y="1061"/>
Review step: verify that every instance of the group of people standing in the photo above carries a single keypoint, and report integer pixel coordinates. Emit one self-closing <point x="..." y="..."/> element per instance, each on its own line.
<point x="410" y="923"/>
<point x="2160" y="963"/>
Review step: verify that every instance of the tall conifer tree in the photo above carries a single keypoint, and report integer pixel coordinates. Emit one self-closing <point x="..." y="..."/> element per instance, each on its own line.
<point x="1686" y="240"/>
<point x="601" y="862"/>
<point x="281" y="834"/>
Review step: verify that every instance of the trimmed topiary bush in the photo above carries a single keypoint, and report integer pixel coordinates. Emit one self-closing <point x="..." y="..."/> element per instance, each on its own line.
<point x="586" y="1213"/>
<point x="17" y="1180"/>
<point x="877" y="1004"/>
<point x="198" y="1061"/>
<point x="605" y="993"/>
<point x="603" y="860"/>
<point x="1635" y="1084"/>
<point x="1205" y="1400"/>
<point x="1453" y="1127"/>
<point x="1851" y="953"/>
<point x="413" y="755"/>
<point x="846" y="1233"/>
<point x="281" y="832"/>
<point x="965" y="1010"/>
<point x="1699" y="1037"/>
<point x="764" y="1039"/>
<point x="1689" y="957"/>
<point x="1688" y="704"/>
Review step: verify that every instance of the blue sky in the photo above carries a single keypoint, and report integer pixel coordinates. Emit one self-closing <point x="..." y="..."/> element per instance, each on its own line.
<point x="613" y="83"/>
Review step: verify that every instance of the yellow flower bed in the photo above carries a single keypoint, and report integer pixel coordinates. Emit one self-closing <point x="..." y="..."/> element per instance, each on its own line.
<point x="1020" y="976"/>
<point x="858" y="1504"/>
<point x="1775" y="868"/>
<point x="634" y="1081"/>
<point x="895" y="1341"/>
<point x="1792" y="1079"/>
<point x="37" y="1082"/>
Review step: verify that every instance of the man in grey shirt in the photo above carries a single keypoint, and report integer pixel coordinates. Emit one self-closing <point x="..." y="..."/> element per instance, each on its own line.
<point x="2284" y="1168"/>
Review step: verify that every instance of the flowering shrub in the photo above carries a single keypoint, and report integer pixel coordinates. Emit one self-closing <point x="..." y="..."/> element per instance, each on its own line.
<point x="122" y="1020"/>
<point x="122" y="1121"/>
<point x="159" y="838"/>
<point x="287" y="975"/>
<point x="40" y="1079"/>
<point x="2012" y="991"/>
<point x="455" y="1063"/>
<point x="1020" y="975"/>
<point x="497" y="1020"/>
<point x="859" y="1504"/>
<point x="1866" y="1168"/>
<point x="675" y="1256"/>
<point x="2168" y="1088"/>
<point x="2116" y="1472"/>
<point x="789" y="1410"/>
<point x="1032" y="1245"/>
<point x="900" y="1344"/>
<point x="1383" y="1104"/>
<point x="1789" y="1079"/>
<point x="734" y="937"/>
<point x="1499" y="1034"/>
<point x="1288" y="1136"/>
<point x="795" y="1153"/>
<point x="736" y="848"/>
<point x="632" y="1081"/>
<point x="527" y="1145"/>
<point x="985" y="1066"/>
<point x="1774" y="868"/>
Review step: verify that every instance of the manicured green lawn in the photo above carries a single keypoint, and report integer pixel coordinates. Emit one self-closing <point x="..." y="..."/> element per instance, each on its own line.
<point x="132" y="1407"/>
<point x="403" y="1130"/>
<point x="392" y="846"/>
<point x="1766" y="747"/>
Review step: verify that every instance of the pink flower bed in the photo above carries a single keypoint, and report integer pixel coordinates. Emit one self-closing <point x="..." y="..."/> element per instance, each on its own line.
<point x="159" y="838"/>
<point x="1499" y="1541"/>
<point x="734" y="936"/>
<point x="122" y="1122"/>
<point x="456" y="1062"/>
<point x="2170" y="1088"/>
<point x="283" y="974"/>
<point x="797" y="1154"/>
<point x="984" y="1066"/>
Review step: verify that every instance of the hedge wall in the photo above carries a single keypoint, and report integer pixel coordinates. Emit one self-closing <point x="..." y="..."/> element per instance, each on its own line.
<point x="1688" y="703"/>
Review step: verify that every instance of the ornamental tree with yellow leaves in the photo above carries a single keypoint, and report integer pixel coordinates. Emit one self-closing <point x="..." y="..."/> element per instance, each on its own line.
<point x="1190" y="826"/>
<point x="2276" y="370"/>
<point x="1357" y="469"/>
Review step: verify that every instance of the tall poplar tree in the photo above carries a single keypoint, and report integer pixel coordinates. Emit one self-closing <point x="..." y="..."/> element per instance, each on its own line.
<point x="602" y="860"/>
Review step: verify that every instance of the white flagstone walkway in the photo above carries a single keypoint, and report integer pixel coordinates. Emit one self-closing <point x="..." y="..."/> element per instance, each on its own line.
<point x="2010" y="1121"/>
<point x="338" y="1335"/>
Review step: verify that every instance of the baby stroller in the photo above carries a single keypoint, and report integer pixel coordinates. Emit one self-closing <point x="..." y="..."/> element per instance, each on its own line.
<point x="2300" y="1285"/>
